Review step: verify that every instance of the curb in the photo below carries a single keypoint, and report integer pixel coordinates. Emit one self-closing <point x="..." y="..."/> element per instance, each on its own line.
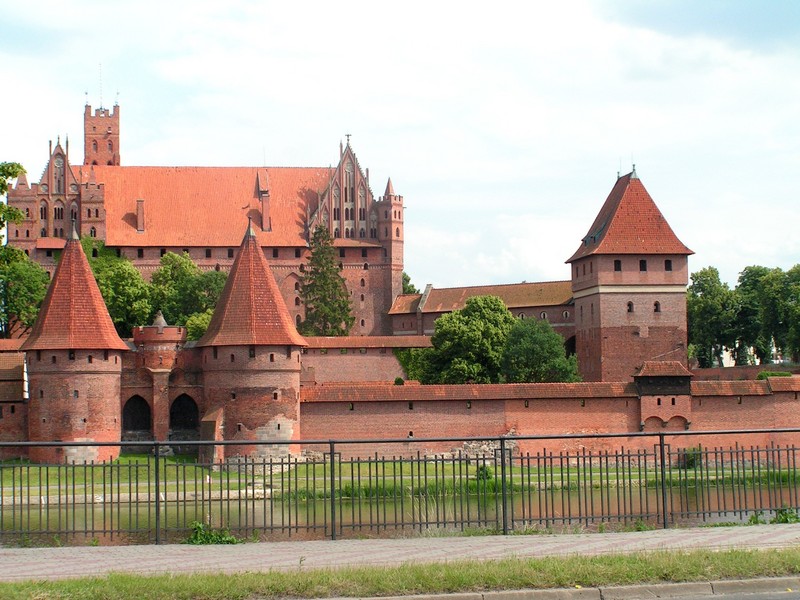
<point x="626" y="592"/>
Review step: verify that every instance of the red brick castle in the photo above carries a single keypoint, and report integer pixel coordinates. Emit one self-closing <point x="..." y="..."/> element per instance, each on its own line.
<point x="252" y="377"/>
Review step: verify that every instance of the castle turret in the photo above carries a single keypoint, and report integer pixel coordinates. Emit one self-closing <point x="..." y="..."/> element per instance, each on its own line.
<point x="251" y="359"/>
<point x="389" y="211"/>
<point x="101" y="136"/>
<point x="629" y="281"/>
<point x="74" y="360"/>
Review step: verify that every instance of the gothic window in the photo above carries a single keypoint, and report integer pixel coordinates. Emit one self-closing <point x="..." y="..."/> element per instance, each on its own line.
<point x="668" y="265"/>
<point x="363" y="283"/>
<point x="58" y="212"/>
<point x="73" y="212"/>
<point x="43" y="232"/>
<point x="336" y="214"/>
<point x="110" y="146"/>
<point x="297" y="301"/>
<point x="361" y="232"/>
<point x="366" y="266"/>
<point x="397" y="232"/>
<point x="27" y="213"/>
<point x="565" y="314"/>
<point x="93" y="232"/>
<point x="96" y="212"/>
<point x="27" y="233"/>
<point x="630" y="307"/>
<point x="618" y="265"/>
<point x="43" y="212"/>
<point x="657" y="307"/>
<point x="297" y="320"/>
<point x="336" y="232"/>
<point x="296" y="286"/>
<point x="94" y="146"/>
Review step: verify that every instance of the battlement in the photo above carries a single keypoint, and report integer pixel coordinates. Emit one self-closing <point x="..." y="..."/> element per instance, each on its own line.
<point x="143" y="336"/>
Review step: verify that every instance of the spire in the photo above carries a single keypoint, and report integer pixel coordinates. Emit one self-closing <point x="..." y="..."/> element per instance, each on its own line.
<point x="73" y="315"/>
<point x="74" y="233"/>
<point x="251" y="311"/>
<point x="389" y="188"/>
<point x="630" y="223"/>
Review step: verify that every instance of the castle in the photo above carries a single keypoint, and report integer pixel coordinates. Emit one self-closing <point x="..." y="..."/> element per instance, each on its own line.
<point x="252" y="377"/>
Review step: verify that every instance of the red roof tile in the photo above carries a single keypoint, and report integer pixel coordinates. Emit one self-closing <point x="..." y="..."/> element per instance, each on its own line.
<point x="514" y="295"/>
<point x="748" y="387"/>
<point x="784" y="384"/>
<point x="11" y="366"/>
<point x="251" y="310"/>
<point x="11" y="345"/>
<point x="205" y="206"/>
<point x="73" y="314"/>
<point x="663" y="368"/>
<point x="630" y="223"/>
<point x="377" y="392"/>
<point x="405" y="303"/>
<point x="370" y="341"/>
<point x="50" y="243"/>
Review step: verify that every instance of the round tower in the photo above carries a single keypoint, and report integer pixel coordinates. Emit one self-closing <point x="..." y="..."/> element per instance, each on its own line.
<point x="74" y="361"/>
<point x="251" y="360"/>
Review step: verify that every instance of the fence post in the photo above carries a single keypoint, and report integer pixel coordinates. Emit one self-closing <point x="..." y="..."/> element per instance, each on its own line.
<point x="503" y="483"/>
<point x="157" y="454"/>
<point x="333" y="491"/>
<point x="662" y="455"/>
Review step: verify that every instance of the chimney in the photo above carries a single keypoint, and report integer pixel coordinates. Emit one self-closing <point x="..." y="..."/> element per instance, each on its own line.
<point x="140" y="215"/>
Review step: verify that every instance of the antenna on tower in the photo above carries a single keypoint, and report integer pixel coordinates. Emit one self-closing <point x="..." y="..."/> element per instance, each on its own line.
<point x="116" y="99"/>
<point x="100" y="77"/>
<point x="86" y="94"/>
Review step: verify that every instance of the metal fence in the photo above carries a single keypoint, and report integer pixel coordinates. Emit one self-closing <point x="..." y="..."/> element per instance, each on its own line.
<point x="146" y="497"/>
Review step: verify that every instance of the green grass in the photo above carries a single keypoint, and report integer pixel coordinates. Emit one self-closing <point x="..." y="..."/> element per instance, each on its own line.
<point x="457" y="576"/>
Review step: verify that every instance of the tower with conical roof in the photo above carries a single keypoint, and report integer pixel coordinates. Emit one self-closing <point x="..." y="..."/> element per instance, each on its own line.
<point x="251" y="359"/>
<point x="629" y="279"/>
<point x="74" y="361"/>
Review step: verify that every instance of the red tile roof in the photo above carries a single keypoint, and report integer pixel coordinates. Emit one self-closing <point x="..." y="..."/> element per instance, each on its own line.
<point x="377" y="392"/>
<point x="73" y="314"/>
<point x="50" y="243"/>
<point x="11" y="366"/>
<point x="630" y="223"/>
<point x="10" y="345"/>
<point x="663" y="368"/>
<point x="205" y="206"/>
<point x="514" y="295"/>
<point x="747" y="387"/>
<point x="405" y="303"/>
<point x="784" y="384"/>
<point x="370" y="341"/>
<point x="251" y="310"/>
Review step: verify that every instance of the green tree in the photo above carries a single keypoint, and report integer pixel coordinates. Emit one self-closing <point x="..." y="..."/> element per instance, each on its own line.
<point x="711" y="311"/>
<point x="126" y="294"/>
<point x="181" y="289"/>
<point x="323" y="290"/>
<point x="9" y="214"/>
<point x="197" y="324"/>
<point x="408" y="287"/>
<point x="748" y="323"/>
<point x="535" y="353"/>
<point x="467" y="344"/>
<point x="24" y="285"/>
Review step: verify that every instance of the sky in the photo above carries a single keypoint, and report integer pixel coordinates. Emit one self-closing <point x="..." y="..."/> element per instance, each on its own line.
<point x="503" y="125"/>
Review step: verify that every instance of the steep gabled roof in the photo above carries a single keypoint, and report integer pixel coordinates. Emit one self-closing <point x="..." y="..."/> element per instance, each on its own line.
<point x="205" y="206"/>
<point x="663" y="368"/>
<point x="73" y="314"/>
<point x="251" y="311"/>
<point x="630" y="223"/>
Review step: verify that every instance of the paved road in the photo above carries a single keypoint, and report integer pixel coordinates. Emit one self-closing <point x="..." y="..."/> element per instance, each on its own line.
<point x="17" y="564"/>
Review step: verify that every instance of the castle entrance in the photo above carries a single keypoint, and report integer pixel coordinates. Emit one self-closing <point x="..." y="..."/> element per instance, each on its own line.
<point x="184" y="423"/>
<point x="137" y="422"/>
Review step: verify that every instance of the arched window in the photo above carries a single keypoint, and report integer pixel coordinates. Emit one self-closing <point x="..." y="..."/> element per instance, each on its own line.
<point x="89" y="212"/>
<point x="93" y="232"/>
<point x="630" y="307"/>
<point x="297" y="301"/>
<point x="363" y="283"/>
<point x="297" y="320"/>
<point x="361" y="233"/>
<point x="397" y="232"/>
<point x="94" y="146"/>
<point x="366" y="266"/>
<point x="43" y="232"/>
<point x="73" y="212"/>
<point x="27" y="213"/>
<point x="657" y="307"/>
<point x="296" y="286"/>
<point x="43" y="212"/>
<point x="58" y="212"/>
<point x="336" y="232"/>
<point x="543" y="315"/>
<point x="96" y="212"/>
<point x="110" y="146"/>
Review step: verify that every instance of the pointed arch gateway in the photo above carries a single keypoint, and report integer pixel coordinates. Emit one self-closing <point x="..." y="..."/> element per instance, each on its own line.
<point x="137" y="420"/>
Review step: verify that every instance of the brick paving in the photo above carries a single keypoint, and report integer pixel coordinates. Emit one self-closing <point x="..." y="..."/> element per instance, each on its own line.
<point x="18" y="564"/>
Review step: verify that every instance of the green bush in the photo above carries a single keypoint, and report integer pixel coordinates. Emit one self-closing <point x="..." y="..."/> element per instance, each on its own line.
<point x="765" y="374"/>
<point x="202" y="534"/>
<point x="689" y="458"/>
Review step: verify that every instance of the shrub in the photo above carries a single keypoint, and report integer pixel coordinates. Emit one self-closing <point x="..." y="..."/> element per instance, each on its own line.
<point x="399" y="381"/>
<point x="202" y="534"/>
<point x="765" y="374"/>
<point x="689" y="458"/>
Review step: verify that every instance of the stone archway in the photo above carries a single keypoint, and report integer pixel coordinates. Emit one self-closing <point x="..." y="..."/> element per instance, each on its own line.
<point x="184" y="423"/>
<point x="137" y="421"/>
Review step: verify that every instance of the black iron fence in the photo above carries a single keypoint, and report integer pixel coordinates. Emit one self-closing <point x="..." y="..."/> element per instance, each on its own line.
<point x="481" y="484"/>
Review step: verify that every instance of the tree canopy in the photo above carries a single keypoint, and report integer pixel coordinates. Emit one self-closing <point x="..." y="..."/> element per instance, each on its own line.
<point x="24" y="285"/>
<point x="9" y="214"/>
<point x="323" y="291"/>
<point x="535" y="353"/>
<point x="408" y="287"/>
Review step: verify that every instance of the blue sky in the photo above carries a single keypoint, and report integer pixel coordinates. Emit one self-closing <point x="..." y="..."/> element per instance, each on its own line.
<point x="503" y="129"/>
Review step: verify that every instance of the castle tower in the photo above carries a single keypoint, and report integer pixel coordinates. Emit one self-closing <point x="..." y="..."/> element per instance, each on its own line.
<point x="101" y="136"/>
<point x="629" y="280"/>
<point x="390" y="233"/>
<point x="251" y="360"/>
<point x="74" y="360"/>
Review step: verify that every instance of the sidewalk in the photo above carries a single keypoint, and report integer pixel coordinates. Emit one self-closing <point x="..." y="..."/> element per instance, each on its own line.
<point x="17" y="564"/>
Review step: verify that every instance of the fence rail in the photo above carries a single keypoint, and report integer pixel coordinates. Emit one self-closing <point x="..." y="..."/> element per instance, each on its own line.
<point x="146" y="497"/>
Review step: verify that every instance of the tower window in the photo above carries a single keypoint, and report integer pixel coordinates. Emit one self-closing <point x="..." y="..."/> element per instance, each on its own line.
<point x="618" y="265"/>
<point x="363" y="283"/>
<point x="296" y="286"/>
<point x="630" y="307"/>
<point x="668" y="265"/>
<point x="656" y="307"/>
<point x="643" y="265"/>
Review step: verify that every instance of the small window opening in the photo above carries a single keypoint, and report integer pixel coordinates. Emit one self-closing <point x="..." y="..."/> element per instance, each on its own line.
<point x="350" y="406"/>
<point x="643" y="265"/>
<point x="673" y="402"/>
<point x="230" y="252"/>
<point x="410" y="406"/>
<point x="208" y="252"/>
<point x="668" y="265"/>
<point x="656" y="307"/>
<point x="252" y="351"/>
<point x="72" y="354"/>
<point x="297" y="252"/>
<point x="618" y="265"/>
<point x="658" y="401"/>
<point x="275" y="253"/>
<point x="271" y="357"/>
<point x="630" y="307"/>
<point x="74" y="393"/>
<point x="233" y="358"/>
<point x="274" y="395"/>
